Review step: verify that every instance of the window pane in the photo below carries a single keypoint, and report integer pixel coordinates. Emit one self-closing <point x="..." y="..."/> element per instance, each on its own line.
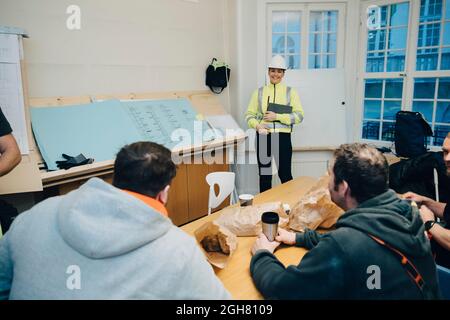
<point x="427" y="59"/>
<point x="376" y="40"/>
<point x="396" y="61"/>
<point x="446" y="41"/>
<point x="328" y="61"/>
<point x="397" y="38"/>
<point x="443" y="112"/>
<point x="372" y="109"/>
<point x="390" y="109"/>
<point x="430" y="10"/>
<point x="315" y="42"/>
<point x="424" y="107"/>
<point x="429" y="35"/>
<point x="278" y="43"/>
<point x="440" y="132"/>
<point x="331" y="21"/>
<point x="445" y="59"/>
<point x="387" y="132"/>
<point x="371" y="130"/>
<point x="447" y="10"/>
<point x="293" y="21"/>
<point x="315" y="21"/>
<point x="314" y="61"/>
<point x="373" y="89"/>
<point x="375" y="62"/>
<point x="278" y="21"/>
<point x="293" y="43"/>
<point x="444" y="88"/>
<point x="329" y="42"/>
<point x="293" y="61"/>
<point x="399" y="14"/>
<point x="424" y="88"/>
<point x="393" y="88"/>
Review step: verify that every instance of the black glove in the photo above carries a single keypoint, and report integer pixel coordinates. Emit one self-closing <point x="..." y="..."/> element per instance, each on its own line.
<point x="70" y="162"/>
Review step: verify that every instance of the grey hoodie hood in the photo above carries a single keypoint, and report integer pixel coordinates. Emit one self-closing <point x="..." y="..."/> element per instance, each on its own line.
<point x="100" y="221"/>
<point x="391" y="219"/>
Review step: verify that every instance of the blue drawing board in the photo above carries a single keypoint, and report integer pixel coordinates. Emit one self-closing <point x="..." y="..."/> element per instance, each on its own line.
<point x="100" y="129"/>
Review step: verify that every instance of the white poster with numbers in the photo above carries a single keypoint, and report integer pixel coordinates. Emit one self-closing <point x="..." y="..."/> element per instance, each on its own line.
<point x="11" y="90"/>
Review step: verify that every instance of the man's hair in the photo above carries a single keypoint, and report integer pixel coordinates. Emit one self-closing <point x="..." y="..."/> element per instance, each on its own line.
<point x="448" y="135"/>
<point x="144" y="167"/>
<point x="364" y="168"/>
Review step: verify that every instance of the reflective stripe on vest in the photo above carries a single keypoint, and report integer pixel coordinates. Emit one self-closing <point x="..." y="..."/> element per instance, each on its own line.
<point x="260" y="95"/>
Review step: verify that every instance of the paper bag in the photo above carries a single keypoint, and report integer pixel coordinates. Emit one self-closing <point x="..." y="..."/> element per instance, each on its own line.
<point x="246" y="221"/>
<point x="315" y="209"/>
<point x="217" y="243"/>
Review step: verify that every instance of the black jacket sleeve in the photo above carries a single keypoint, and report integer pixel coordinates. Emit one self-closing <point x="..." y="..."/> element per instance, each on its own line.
<point x="320" y="274"/>
<point x="308" y="239"/>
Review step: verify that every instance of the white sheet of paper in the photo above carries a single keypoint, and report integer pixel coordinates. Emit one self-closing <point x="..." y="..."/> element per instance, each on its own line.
<point x="11" y="91"/>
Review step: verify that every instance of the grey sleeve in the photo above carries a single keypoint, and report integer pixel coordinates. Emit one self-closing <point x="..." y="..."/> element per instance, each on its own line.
<point x="6" y="268"/>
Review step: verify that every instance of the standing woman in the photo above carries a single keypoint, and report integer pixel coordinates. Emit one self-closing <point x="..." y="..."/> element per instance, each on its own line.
<point x="274" y="129"/>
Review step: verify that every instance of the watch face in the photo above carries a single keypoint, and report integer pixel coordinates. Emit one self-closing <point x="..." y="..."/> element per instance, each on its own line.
<point x="429" y="224"/>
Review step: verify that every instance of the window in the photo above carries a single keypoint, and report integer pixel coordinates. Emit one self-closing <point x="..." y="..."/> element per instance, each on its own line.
<point x="322" y="39"/>
<point x="386" y="45"/>
<point x="394" y="79"/>
<point x="286" y="36"/>
<point x="432" y="99"/>
<point x="382" y="100"/>
<point x="306" y="35"/>
<point x="433" y="45"/>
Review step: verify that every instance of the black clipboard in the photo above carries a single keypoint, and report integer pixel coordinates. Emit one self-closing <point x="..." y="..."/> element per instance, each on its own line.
<point x="279" y="108"/>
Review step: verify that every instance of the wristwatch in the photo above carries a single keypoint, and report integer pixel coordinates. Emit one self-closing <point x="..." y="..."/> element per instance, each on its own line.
<point x="429" y="224"/>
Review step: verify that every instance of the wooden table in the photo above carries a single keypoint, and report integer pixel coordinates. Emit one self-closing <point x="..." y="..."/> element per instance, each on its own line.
<point x="236" y="275"/>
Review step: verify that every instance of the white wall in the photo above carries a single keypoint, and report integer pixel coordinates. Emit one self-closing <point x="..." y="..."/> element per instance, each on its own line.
<point x="123" y="46"/>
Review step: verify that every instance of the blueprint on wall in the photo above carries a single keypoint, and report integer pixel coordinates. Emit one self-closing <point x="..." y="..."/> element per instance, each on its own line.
<point x="100" y="129"/>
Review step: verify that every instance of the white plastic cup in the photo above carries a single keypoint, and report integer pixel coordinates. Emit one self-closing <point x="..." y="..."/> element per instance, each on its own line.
<point x="246" y="200"/>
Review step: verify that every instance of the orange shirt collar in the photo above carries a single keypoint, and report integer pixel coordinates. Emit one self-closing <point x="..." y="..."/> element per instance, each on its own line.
<point x="153" y="203"/>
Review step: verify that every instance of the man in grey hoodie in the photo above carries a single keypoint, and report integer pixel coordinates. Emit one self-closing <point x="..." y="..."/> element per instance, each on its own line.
<point x="378" y="251"/>
<point x="108" y="242"/>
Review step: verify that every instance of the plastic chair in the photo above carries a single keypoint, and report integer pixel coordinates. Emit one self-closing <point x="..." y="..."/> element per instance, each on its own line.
<point x="225" y="181"/>
<point x="444" y="281"/>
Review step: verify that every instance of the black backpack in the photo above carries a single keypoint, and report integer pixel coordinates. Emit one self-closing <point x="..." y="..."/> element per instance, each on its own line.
<point x="217" y="76"/>
<point x="411" y="132"/>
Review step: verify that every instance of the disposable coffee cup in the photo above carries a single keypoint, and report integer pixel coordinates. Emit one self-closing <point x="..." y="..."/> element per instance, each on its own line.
<point x="270" y="224"/>
<point x="245" y="200"/>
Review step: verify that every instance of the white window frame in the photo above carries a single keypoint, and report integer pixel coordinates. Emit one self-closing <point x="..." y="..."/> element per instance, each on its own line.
<point x="408" y="75"/>
<point x="305" y="9"/>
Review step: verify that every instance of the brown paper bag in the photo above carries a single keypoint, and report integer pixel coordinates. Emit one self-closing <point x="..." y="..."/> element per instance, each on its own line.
<point x="211" y="236"/>
<point x="315" y="209"/>
<point x="246" y="221"/>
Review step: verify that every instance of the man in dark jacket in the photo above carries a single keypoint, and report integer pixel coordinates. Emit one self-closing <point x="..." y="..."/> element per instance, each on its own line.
<point x="378" y="251"/>
<point x="431" y="209"/>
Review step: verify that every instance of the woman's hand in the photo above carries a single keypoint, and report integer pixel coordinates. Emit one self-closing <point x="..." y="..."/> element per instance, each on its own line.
<point x="262" y="129"/>
<point x="270" y="116"/>
<point x="285" y="236"/>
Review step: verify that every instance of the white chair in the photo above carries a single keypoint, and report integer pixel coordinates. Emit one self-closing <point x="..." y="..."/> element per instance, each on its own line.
<point x="225" y="181"/>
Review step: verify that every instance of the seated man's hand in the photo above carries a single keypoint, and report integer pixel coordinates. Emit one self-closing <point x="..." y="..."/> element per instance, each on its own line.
<point x="414" y="197"/>
<point x="285" y="236"/>
<point x="426" y="214"/>
<point x="263" y="243"/>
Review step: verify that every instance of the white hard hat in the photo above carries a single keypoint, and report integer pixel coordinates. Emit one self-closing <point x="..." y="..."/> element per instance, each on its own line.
<point x="277" y="62"/>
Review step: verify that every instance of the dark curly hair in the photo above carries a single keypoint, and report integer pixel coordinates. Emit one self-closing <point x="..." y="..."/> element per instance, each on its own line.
<point x="364" y="168"/>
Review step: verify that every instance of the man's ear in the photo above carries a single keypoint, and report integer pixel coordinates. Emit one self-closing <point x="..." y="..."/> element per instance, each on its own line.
<point x="346" y="189"/>
<point x="163" y="195"/>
